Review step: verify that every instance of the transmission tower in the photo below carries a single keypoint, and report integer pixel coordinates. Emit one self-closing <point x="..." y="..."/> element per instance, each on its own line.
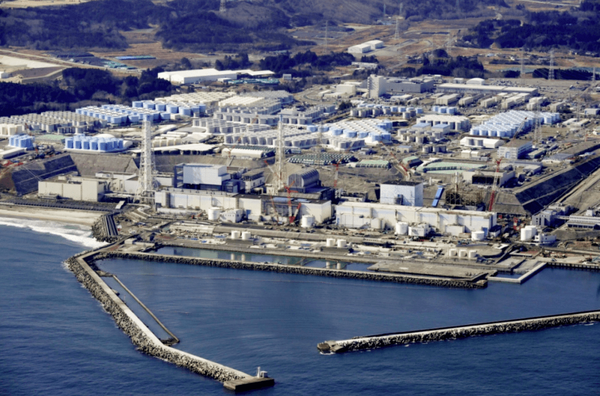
<point x="383" y="11"/>
<point x="397" y="35"/>
<point x="551" y="68"/>
<point x="522" y="64"/>
<point x="280" y="155"/>
<point x="223" y="6"/>
<point x="594" y="75"/>
<point x="145" y="191"/>
<point x="537" y="131"/>
<point x="326" y="34"/>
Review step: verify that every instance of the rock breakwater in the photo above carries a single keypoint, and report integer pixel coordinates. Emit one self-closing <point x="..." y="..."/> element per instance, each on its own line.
<point x="452" y="333"/>
<point x="291" y="269"/>
<point x="140" y="335"/>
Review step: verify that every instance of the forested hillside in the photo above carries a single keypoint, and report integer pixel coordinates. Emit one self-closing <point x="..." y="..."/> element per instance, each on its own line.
<point x="198" y="25"/>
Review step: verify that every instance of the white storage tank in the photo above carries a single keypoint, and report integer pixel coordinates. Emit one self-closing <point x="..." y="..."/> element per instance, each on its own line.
<point x="235" y="234"/>
<point x="246" y="236"/>
<point x="341" y="266"/>
<point x="213" y="214"/>
<point x="462" y="253"/>
<point x="341" y="243"/>
<point x="472" y="254"/>
<point x="452" y="252"/>
<point x="330" y="242"/>
<point x="376" y="223"/>
<point x="478" y="235"/>
<point x="307" y="221"/>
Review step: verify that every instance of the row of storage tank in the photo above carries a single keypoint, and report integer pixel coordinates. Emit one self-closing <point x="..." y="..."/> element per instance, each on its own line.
<point x="119" y="114"/>
<point x="172" y="108"/>
<point x="243" y="235"/>
<point x="393" y="109"/>
<point x="21" y="141"/>
<point x="92" y="143"/>
<point x="445" y="110"/>
<point x="463" y="253"/>
<point x="507" y="124"/>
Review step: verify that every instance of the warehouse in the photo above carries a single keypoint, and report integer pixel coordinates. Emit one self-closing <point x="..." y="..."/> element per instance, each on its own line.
<point x="76" y="188"/>
<point x="207" y="75"/>
<point x="402" y="193"/>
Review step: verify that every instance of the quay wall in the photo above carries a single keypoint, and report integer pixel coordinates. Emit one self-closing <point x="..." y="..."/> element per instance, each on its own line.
<point x="452" y="333"/>
<point x="291" y="269"/>
<point x="140" y="335"/>
<point x="581" y="266"/>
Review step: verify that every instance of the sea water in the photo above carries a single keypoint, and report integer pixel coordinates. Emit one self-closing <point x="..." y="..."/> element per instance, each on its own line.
<point x="57" y="340"/>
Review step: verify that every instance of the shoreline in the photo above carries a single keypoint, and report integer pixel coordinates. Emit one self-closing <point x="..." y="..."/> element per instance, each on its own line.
<point x="77" y="217"/>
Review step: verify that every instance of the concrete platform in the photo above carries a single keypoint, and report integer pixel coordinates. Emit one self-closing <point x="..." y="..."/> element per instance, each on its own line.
<point x="250" y="383"/>
<point x="429" y="269"/>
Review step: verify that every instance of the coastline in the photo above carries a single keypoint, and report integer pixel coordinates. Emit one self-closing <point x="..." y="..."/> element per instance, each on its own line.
<point x="79" y="217"/>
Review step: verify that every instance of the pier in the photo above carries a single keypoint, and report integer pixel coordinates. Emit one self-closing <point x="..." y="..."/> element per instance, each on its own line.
<point x="145" y="340"/>
<point x="456" y="332"/>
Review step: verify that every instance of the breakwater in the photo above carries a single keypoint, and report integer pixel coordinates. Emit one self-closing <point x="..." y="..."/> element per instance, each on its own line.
<point x="144" y="339"/>
<point x="452" y="333"/>
<point x="292" y="269"/>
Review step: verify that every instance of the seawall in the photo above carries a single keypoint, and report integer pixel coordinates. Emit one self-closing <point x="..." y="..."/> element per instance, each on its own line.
<point x="291" y="269"/>
<point x="452" y="333"/>
<point x="142" y="337"/>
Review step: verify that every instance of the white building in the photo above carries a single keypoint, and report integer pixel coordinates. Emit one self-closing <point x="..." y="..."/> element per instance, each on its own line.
<point x="203" y="75"/>
<point x="378" y="216"/>
<point x="478" y="142"/>
<point x="76" y="188"/>
<point x="402" y="193"/>
<point x="515" y="149"/>
<point x="457" y="123"/>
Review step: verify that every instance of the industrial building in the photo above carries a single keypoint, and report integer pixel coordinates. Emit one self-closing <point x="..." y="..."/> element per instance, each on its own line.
<point x="365" y="47"/>
<point x="205" y="177"/>
<point x="477" y="142"/>
<point x="379" y="217"/>
<point x="402" y="193"/>
<point x="483" y="89"/>
<point x="53" y="121"/>
<point x="515" y="149"/>
<point x="208" y="75"/>
<point x="379" y="85"/>
<point x="456" y="123"/>
<point x="76" y="188"/>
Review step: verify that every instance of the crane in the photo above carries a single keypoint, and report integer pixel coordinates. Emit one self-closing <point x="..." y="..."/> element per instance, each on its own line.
<point x="495" y="185"/>
<point x="398" y="164"/>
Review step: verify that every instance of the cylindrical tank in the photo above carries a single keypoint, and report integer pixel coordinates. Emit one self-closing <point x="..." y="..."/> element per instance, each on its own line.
<point x="246" y="236"/>
<point x="213" y="214"/>
<point x="478" y="235"/>
<point x="452" y="252"/>
<point x="462" y="253"/>
<point x="341" y="266"/>
<point x="235" y="234"/>
<point x="341" y="243"/>
<point x="307" y="221"/>
<point x="472" y="254"/>
<point x="376" y="224"/>
<point x="330" y="242"/>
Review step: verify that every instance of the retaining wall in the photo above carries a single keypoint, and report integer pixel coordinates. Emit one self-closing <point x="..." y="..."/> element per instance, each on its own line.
<point x="451" y="333"/>
<point x="291" y="269"/>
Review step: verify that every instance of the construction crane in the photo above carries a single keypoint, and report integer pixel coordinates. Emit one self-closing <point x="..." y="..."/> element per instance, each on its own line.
<point x="398" y="164"/>
<point x="495" y="185"/>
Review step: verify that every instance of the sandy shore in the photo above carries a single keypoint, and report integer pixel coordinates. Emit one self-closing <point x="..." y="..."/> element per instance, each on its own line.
<point x="62" y="215"/>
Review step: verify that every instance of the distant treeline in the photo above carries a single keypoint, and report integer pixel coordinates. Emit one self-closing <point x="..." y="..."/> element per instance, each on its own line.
<point x="303" y="63"/>
<point x="80" y="87"/>
<point x="578" y="30"/>
<point x="461" y="66"/>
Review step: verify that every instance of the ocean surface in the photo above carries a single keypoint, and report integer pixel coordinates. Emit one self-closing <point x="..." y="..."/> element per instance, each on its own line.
<point x="57" y="340"/>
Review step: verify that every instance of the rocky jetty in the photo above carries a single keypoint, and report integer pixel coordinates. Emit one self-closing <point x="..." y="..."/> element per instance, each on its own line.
<point x="140" y="336"/>
<point x="452" y="333"/>
<point x="292" y="269"/>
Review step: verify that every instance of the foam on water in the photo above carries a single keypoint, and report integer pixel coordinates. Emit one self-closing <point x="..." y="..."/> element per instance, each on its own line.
<point x="79" y="234"/>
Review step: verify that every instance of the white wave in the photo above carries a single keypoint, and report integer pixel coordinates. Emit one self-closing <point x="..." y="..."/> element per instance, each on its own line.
<point x="81" y="235"/>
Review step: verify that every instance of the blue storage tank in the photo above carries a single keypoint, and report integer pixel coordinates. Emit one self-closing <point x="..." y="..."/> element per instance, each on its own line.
<point x="312" y="128"/>
<point x="394" y="109"/>
<point x="337" y="131"/>
<point x="134" y="118"/>
<point x="102" y="145"/>
<point x="77" y="144"/>
<point x="165" y="116"/>
<point x="68" y="143"/>
<point x="363" y="134"/>
<point x="160" y="106"/>
<point x="386" y="137"/>
<point x="186" y="111"/>
<point x="171" y="108"/>
<point x="94" y="144"/>
<point x="419" y="110"/>
<point x="86" y="145"/>
<point x="350" y="133"/>
<point x="120" y="144"/>
<point x="202" y="108"/>
<point x="137" y="103"/>
<point x="149" y="105"/>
